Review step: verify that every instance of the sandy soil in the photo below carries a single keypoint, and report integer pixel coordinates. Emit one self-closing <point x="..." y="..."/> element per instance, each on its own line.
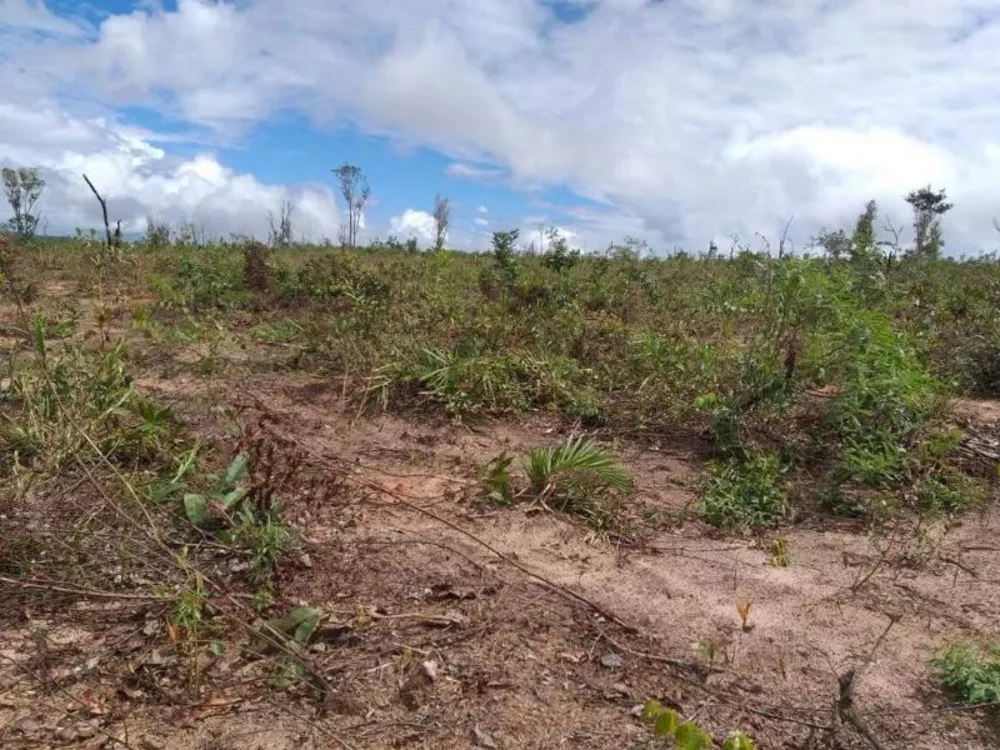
<point x="436" y="641"/>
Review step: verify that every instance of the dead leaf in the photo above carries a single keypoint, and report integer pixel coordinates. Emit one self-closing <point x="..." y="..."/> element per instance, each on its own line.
<point x="431" y="670"/>
<point x="214" y="706"/>
<point x="743" y="610"/>
<point x="484" y="738"/>
<point x="27" y="725"/>
<point x="442" y="591"/>
<point x="94" y="705"/>
<point x="174" y="632"/>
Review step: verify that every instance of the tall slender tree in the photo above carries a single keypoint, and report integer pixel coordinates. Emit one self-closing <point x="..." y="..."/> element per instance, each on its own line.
<point x="356" y="191"/>
<point x="442" y="221"/>
<point x="928" y="208"/>
<point x="23" y="188"/>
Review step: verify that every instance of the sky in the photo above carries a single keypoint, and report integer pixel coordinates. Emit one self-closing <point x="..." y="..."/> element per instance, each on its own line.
<point x="676" y="122"/>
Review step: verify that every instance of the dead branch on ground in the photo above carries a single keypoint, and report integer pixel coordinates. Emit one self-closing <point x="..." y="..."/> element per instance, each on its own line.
<point x="848" y="681"/>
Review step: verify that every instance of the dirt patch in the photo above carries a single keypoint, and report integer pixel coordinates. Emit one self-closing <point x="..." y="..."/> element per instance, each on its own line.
<point x="436" y="641"/>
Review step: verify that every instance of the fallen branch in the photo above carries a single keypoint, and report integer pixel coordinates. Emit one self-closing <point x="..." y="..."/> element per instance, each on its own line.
<point x="557" y="588"/>
<point x="93" y="593"/>
<point x="848" y="680"/>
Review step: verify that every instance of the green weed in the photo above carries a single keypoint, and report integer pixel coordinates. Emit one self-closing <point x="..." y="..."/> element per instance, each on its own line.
<point x="740" y="494"/>
<point x="971" y="673"/>
<point x="667" y="724"/>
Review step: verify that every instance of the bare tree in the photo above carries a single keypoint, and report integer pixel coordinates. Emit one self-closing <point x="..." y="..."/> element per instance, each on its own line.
<point x="356" y="191"/>
<point x="281" y="233"/>
<point x="23" y="188"/>
<point x="442" y="221"/>
<point x="893" y="247"/>
<point x="157" y="232"/>
<point x="104" y="212"/>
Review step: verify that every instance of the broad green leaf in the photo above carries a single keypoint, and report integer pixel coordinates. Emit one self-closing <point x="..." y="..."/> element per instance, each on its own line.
<point x="689" y="736"/>
<point x="230" y="499"/>
<point x="666" y="723"/>
<point x="162" y="490"/>
<point x="739" y="741"/>
<point x="300" y="624"/>
<point x="237" y="470"/>
<point x="308" y="619"/>
<point x="218" y="648"/>
<point x="195" y="508"/>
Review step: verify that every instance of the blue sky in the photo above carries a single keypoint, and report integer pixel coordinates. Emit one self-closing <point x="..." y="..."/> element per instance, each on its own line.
<point x="676" y="122"/>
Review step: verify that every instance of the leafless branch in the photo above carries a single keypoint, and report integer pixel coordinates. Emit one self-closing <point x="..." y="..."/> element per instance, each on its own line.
<point x="104" y="210"/>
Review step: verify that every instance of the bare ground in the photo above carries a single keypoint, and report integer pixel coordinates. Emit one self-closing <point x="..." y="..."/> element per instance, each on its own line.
<point x="444" y="635"/>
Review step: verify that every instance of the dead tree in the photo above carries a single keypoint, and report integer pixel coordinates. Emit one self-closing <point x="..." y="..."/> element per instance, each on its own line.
<point x="104" y="211"/>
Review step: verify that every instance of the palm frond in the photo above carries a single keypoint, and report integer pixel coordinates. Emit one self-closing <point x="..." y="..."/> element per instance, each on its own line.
<point x="577" y="456"/>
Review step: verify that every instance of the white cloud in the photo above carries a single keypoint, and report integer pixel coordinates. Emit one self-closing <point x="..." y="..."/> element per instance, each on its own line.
<point x="542" y="237"/>
<point x="483" y="210"/>
<point x="139" y="179"/>
<point x="414" y="223"/>
<point x="32" y="16"/>
<point x="471" y="172"/>
<point x="481" y="221"/>
<point x="710" y="117"/>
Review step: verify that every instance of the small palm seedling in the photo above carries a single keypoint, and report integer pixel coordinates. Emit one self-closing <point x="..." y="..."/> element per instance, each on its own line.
<point x="494" y="478"/>
<point x="567" y="472"/>
<point x="575" y="477"/>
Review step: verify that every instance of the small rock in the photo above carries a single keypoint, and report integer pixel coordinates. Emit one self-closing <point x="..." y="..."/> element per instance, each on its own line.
<point x="484" y="738"/>
<point x="66" y="734"/>
<point x="305" y="561"/>
<point x="85" y="731"/>
<point x="621" y="688"/>
<point x="611" y="660"/>
<point x="27" y="725"/>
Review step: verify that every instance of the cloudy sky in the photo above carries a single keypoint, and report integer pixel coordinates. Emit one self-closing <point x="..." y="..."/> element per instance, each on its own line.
<point x="674" y="121"/>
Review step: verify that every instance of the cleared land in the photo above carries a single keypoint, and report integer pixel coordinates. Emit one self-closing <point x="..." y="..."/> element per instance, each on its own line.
<point x="197" y="442"/>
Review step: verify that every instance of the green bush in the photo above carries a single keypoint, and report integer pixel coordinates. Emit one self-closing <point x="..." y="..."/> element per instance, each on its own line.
<point x="744" y="493"/>
<point x="971" y="673"/>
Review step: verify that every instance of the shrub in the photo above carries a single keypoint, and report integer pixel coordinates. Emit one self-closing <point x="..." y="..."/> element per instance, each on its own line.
<point x="256" y="266"/>
<point x="741" y="493"/>
<point x="971" y="673"/>
<point x="206" y="278"/>
<point x="336" y="276"/>
<point x="885" y="399"/>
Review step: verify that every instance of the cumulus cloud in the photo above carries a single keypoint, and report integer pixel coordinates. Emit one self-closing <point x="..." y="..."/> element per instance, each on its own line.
<point x="414" y="223"/>
<point x="688" y="120"/>
<point x="140" y="179"/>
<point x="542" y="237"/>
